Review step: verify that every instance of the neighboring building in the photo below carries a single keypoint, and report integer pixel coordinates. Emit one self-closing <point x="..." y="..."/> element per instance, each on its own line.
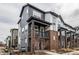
<point x="8" y="42"/>
<point x="39" y="30"/>
<point x="14" y="38"/>
<point x="77" y="34"/>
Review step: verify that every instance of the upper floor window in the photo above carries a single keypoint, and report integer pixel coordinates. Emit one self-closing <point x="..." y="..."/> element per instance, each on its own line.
<point x="54" y="21"/>
<point x="54" y="27"/>
<point x="59" y="26"/>
<point x="37" y="14"/>
<point x="26" y="26"/>
<point x="22" y="29"/>
<point x="27" y="11"/>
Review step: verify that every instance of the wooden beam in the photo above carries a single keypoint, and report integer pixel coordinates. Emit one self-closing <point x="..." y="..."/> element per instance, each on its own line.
<point x="60" y="39"/>
<point x="65" y="39"/>
<point x="32" y="37"/>
<point x="70" y="41"/>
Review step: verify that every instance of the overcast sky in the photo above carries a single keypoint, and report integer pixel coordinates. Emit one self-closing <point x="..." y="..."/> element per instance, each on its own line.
<point x="9" y="14"/>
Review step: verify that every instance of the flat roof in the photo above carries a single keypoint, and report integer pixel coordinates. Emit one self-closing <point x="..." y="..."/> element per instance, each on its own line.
<point x="34" y="18"/>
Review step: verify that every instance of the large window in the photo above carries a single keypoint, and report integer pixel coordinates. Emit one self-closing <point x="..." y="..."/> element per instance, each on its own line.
<point x="54" y="23"/>
<point x="36" y="14"/>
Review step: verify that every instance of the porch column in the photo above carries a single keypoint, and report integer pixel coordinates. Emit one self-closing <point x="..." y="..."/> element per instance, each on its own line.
<point x="74" y="41"/>
<point x="65" y="39"/>
<point x="77" y="41"/>
<point x="60" y="39"/>
<point x="32" y="37"/>
<point x="70" y="40"/>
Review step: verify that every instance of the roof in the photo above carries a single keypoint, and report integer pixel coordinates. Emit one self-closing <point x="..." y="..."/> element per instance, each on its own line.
<point x="38" y="19"/>
<point x="53" y="13"/>
<point x="13" y="29"/>
<point x="19" y="21"/>
<point x="62" y="28"/>
<point x="30" y="6"/>
<point x="60" y="17"/>
<point x="70" y="26"/>
<point x="65" y="23"/>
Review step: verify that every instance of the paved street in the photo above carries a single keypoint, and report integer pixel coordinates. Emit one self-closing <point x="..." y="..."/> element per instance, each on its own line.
<point x="72" y="53"/>
<point x="2" y="52"/>
<point x="54" y="53"/>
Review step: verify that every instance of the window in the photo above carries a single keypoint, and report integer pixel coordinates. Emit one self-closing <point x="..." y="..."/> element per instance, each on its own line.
<point x="27" y="10"/>
<point x="36" y="27"/>
<point x="26" y="27"/>
<point x="54" y="24"/>
<point x="63" y="33"/>
<point x="36" y="30"/>
<point x="26" y="40"/>
<point x="58" y="26"/>
<point x="54" y="38"/>
<point x="22" y="29"/>
<point x="36" y="14"/>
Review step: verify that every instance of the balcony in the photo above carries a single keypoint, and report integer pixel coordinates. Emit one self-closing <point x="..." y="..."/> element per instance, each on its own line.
<point x="41" y="35"/>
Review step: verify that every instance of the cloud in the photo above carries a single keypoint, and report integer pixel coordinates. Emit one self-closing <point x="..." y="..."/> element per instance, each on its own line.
<point x="70" y="13"/>
<point x="9" y="16"/>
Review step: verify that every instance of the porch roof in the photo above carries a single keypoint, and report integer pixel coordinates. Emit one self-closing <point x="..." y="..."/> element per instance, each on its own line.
<point x="62" y="28"/>
<point x="70" y="32"/>
<point x="41" y="21"/>
<point x="77" y="34"/>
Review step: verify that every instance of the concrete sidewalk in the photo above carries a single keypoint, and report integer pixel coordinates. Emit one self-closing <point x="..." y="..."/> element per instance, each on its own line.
<point x="50" y="53"/>
<point x="72" y="53"/>
<point x="54" y="53"/>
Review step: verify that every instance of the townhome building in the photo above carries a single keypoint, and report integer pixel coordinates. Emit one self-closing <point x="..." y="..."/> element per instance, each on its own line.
<point x="77" y="38"/>
<point x="8" y="42"/>
<point x="43" y="30"/>
<point x="14" y="38"/>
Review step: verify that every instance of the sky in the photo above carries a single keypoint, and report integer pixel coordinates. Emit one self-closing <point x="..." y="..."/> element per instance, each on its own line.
<point x="9" y="14"/>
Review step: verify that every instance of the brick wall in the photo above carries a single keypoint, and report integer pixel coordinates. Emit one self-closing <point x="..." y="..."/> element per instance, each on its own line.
<point x="53" y="39"/>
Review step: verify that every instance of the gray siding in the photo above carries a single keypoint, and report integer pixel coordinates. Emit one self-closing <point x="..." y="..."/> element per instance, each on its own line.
<point x="22" y="25"/>
<point x="23" y="40"/>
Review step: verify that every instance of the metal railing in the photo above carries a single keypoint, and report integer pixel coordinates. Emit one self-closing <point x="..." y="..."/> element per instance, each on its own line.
<point x="40" y="34"/>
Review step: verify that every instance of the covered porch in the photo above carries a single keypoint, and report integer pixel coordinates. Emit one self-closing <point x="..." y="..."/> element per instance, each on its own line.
<point x="66" y="38"/>
<point x="38" y="36"/>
